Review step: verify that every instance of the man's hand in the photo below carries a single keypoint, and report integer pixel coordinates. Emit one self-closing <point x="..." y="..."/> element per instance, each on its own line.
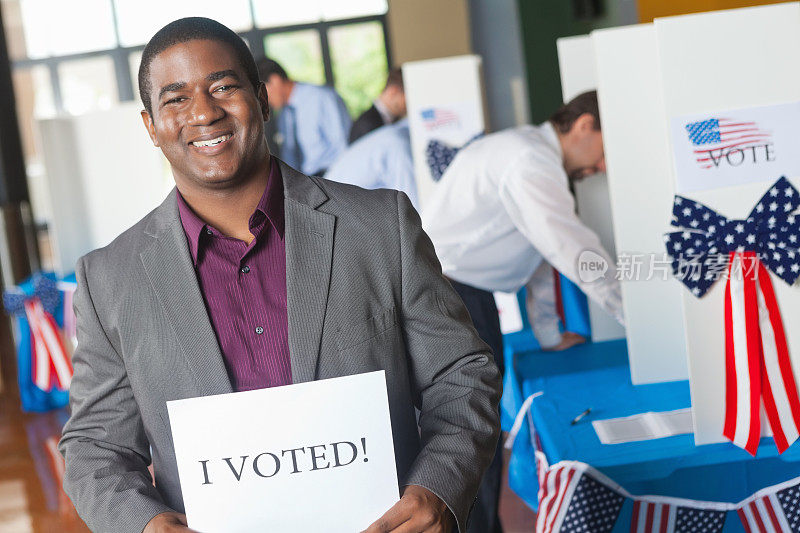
<point x="418" y="511"/>
<point x="568" y="340"/>
<point x="168" y="523"/>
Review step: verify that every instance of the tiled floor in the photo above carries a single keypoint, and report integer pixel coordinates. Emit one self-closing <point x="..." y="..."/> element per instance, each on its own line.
<point x="31" y="499"/>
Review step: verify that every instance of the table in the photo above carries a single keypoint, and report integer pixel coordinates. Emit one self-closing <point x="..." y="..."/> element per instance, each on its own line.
<point x="597" y="375"/>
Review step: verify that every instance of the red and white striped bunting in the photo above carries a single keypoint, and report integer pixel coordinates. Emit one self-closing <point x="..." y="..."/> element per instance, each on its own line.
<point x="756" y="359"/>
<point x="51" y="365"/>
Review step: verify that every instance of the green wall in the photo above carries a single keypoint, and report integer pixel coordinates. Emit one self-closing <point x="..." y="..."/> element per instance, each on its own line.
<point x="544" y="21"/>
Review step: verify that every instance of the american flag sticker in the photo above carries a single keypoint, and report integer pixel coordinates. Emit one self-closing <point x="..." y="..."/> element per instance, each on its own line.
<point x="671" y="517"/>
<point x="434" y="118"/>
<point x="717" y="140"/>
<point x="730" y="147"/>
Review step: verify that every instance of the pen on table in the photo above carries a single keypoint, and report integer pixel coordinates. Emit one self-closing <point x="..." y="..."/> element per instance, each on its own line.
<point x="580" y="416"/>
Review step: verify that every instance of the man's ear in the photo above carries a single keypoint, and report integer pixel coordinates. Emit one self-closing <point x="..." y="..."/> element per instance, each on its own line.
<point x="585" y="123"/>
<point x="148" y="124"/>
<point x="263" y="100"/>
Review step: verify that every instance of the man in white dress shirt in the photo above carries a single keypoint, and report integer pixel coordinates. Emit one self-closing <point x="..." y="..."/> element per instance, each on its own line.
<point x="501" y="208"/>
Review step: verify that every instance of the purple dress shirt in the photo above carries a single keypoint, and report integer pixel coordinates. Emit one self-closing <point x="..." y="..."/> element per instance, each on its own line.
<point x="244" y="288"/>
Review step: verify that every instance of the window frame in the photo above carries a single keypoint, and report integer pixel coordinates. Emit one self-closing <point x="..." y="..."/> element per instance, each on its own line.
<point x="254" y="37"/>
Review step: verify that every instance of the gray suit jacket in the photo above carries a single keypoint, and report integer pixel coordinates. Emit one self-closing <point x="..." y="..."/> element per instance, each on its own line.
<point x="365" y="292"/>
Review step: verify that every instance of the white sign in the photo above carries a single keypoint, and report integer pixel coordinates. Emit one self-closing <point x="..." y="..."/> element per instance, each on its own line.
<point x="314" y="456"/>
<point x="509" y="312"/>
<point x="727" y="148"/>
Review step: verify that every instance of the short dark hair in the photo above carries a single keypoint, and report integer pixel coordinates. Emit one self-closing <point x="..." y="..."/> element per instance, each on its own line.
<point x="395" y="78"/>
<point x="567" y="114"/>
<point x="267" y="67"/>
<point x="191" y="29"/>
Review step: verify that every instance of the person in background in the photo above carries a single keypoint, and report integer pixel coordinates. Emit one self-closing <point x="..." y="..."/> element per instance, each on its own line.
<point x="390" y="106"/>
<point x="313" y="121"/>
<point x="379" y="160"/>
<point x="501" y="208"/>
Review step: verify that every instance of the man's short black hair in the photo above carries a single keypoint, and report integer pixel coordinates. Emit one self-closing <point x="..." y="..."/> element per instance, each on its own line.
<point x="190" y="29"/>
<point x="267" y="67"/>
<point x="395" y="78"/>
<point x="567" y="114"/>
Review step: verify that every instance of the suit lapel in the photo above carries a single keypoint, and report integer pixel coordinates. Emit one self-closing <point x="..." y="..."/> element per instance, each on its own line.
<point x="309" y="253"/>
<point x="169" y="268"/>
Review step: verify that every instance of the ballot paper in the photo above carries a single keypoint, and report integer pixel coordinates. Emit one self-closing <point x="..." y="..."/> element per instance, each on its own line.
<point x="644" y="426"/>
<point x="314" y="456"/>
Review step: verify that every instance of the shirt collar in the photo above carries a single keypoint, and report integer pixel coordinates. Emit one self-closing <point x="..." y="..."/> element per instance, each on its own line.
<point x="551" y="137"/>
<point x="270" y="205"/>
<point x="383" y="111"/>
<point x="297" y="93"/>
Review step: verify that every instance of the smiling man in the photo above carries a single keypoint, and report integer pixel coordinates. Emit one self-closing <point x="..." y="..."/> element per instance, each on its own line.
<point x="253" y="275"/>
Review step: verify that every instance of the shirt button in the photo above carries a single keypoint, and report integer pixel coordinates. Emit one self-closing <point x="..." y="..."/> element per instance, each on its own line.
<point x="245" y="269"/>
<point x="208" y="230"/>
<point x="259" y="330"/>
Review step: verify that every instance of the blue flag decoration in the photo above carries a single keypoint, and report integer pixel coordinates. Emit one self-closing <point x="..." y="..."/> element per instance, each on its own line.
<point x="439" y="155"/>
<point x="700" y="249"/>
<point x="594" y="507"/>
<point x="789" y="499"/>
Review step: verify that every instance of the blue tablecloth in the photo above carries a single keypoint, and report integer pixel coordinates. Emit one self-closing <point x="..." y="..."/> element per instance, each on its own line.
<point x="597" y="376"/>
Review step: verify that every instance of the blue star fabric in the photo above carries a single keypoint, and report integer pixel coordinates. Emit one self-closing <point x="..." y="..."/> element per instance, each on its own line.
<point x="700" y="250"/>
<point x="44" y="288"/>
<point x="439" y="155"/>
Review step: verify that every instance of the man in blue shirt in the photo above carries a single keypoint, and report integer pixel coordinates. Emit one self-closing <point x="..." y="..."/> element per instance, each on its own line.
<point x="388" y="107"/>
<point x="313" y="121"/>
<point x="379" y="160"/>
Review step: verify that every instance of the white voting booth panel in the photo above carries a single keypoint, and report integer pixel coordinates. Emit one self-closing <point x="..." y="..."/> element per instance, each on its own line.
<point x="759" y="45"/>
<point x="635" y="136"/>
<point x="577" y="66"/>
<point x="445" y="102"/>
<point x="103" y="175"/>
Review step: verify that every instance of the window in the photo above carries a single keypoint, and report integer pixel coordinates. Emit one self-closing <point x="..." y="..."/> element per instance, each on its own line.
<point x="359" y="63"/>
<point x="276" y="13"/>
<point x="87" y="84"/>
<point x="138" y="20"/>
<point x="60" y="28"/>
<point x="300" y="53"/>
<point x="340" y="43"/>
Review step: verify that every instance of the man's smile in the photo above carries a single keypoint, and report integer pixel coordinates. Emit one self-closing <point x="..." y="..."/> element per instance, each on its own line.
<point x="211" y="143"/>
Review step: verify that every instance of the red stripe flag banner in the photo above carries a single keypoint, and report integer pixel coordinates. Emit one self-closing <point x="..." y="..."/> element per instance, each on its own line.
<point x="674" y="515"/>
<point x="757" y="359"/>
<point x="51" y="365"/>
<point x="772" y="510"/>
<point x="576" y="498"/>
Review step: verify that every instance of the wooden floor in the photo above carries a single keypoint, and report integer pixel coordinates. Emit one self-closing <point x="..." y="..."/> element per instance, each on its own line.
<point x="31" y="498"/>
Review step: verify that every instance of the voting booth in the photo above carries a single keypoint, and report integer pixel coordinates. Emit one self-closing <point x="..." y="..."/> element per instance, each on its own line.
<point x="446" y="103"/>
<point x="695" y="416"/>
<point x="653" y="90"/>
<point x="98" y="185"/>
<point x="652" y="87"/>
<point x="578" y="75"/>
